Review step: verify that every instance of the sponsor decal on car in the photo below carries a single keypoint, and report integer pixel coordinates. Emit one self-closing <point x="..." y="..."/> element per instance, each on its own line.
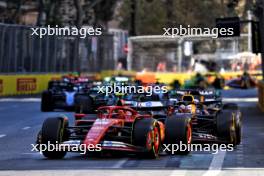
<point x="206" y="92"/>
<point x="102" y="121"/>
<point x="70" y="98"/>
<point x="26" y="84"/>
<point x="150" y="104"/>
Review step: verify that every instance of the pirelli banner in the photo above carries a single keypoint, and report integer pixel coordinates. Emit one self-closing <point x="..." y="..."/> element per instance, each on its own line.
<point x="25" y="84"/>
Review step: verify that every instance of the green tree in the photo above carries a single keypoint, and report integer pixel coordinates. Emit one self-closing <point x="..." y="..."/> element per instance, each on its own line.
<point x="152" y="16"/>
<point x="103" y="12"/>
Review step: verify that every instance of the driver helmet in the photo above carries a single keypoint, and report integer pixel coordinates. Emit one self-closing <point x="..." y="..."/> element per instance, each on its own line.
<point x="121" y="114"/>
<point x="182" y="108"/>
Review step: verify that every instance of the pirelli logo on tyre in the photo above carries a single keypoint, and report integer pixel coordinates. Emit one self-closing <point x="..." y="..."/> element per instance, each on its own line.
<point x="1" y="86"/>
<point x="26" y="84"/>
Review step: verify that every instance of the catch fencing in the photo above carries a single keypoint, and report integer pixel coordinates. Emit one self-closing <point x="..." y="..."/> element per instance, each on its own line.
<point x="21" y="52"/>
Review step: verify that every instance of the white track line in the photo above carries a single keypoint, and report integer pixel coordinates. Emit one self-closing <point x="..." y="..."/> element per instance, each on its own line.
<point x="119" y="164"/>
<point x="234" y="100"/>
<point x="26" y="128"/>
<point x="178" y="173"/>
<point x="216" y="164"/>
<point x="2" y="135"/>
<point x="20" y="100"/>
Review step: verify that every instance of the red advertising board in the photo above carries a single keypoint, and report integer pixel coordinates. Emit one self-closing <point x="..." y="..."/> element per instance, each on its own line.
<point x="26" y="84"/>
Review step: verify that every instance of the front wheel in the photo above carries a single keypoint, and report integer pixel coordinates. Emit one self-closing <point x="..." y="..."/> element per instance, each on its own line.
<point x="83" y="104"/>
<point x="146" y="134"/>
<point x="227" y="127"/>
<point x="46" y="101"/>
<point x="54" y="132"/>
<point x="178" y="134"/>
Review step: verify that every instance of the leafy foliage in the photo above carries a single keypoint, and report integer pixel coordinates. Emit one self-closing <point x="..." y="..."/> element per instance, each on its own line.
<point x="152" y="16"/>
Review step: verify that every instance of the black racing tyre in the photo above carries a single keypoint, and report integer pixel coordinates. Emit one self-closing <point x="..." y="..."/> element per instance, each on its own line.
<point x="178" y="131"/>
<point x="83" y="104"/>
<point x="54" y="131"/>
<point x="146" y="134"/>
<point x="38" y="141"/>
<point x="46" y="101"/>
<point x="51" y="84"/>
<point x="238" y="121"/>
<point x="231" y="106"/>
<point x="226" y="126"/>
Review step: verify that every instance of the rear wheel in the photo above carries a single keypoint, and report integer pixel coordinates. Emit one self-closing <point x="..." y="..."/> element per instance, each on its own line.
<point x="226" y="126"/>
<point x="238" y="121"/>
<point x="51" y="84"/>
<point x="83" y="104"/>
<point x="178" y="131"/>
<point x="54" y="131"/>
<point x="46" y="101"/>
<point x="146" y="134"/>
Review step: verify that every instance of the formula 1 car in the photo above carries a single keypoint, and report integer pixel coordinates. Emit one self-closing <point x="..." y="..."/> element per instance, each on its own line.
<point x="116" y="128"/>
<point x="153" y="104"/>
<point x="142" y="100"/>
<point x="211" y="121"/>
<point x="77" y="95"/>
<point x="88" y="101"/>
<point x="243" y="82"/>
<point x="59" y="95"/>
<point x="206" y="96"/>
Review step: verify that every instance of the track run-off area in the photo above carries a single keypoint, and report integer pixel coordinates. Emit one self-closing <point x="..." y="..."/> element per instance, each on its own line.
<point x="21" y="119"/>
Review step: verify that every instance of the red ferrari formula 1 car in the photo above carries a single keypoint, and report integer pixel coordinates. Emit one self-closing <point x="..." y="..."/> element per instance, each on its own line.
<point x="117" y="128"/>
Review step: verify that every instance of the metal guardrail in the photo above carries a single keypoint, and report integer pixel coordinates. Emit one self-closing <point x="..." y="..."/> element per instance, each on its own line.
<point x="146" y="52"/>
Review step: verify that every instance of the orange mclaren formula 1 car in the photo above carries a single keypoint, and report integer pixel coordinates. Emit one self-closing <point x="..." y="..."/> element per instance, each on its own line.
<point x="114" y="128"/>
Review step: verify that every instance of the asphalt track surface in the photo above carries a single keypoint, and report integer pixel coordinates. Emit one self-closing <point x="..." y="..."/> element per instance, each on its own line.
<point x="21" y="119"/>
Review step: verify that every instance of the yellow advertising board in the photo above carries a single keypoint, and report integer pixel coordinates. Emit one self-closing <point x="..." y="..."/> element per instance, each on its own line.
<point x="25" y="84"/>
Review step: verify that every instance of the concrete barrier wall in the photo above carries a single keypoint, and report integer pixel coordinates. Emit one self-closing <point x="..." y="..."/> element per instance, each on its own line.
<point x="182" y="77"/>
<point x="36" y="83"/>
